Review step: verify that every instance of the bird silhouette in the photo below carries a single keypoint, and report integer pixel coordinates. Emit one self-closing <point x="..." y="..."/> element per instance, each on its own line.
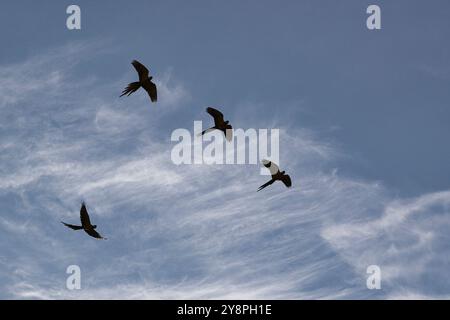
<point x="144" y="81"/>
<point x="85" y="224"/>
<point x="219" y="124"/>
<point x="276" y="175"/>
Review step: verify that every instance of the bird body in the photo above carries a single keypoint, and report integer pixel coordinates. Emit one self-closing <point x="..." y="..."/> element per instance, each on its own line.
<point x="85" y="224"/>
<point x="219" y="124"/>
<point x="277" y="175"/>
<point x="144" y="81"/>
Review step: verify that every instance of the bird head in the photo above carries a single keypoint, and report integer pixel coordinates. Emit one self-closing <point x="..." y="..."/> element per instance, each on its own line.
<point x="94" y="226"/>
<point x="226" y="122"/>
<point x="150" y="78"/>
<point x="266" y="163"/>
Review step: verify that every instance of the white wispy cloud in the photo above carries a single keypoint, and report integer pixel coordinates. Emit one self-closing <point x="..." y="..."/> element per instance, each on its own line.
<point x="187" y="232"/>
<point x="408" y="242"/>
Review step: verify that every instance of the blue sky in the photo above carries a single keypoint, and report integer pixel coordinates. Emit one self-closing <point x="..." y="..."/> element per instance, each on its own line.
<point x="364" y="134"/>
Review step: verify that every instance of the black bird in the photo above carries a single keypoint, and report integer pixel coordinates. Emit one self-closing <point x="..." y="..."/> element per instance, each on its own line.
<point x="85" y="224"/>
<point x="219" y="124"/>
<point x="144" y="81"/>
<point x="276" y="175"/>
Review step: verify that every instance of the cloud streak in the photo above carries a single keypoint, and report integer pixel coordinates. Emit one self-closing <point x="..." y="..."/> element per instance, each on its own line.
<point x="188" y="232"/>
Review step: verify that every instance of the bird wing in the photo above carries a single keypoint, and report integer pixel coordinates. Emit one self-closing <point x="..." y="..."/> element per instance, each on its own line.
<point x="268" y="183"/>
<point x="216" y="114"/>
<point x="71" y="226"/>
<point x="286" y="180"/>
<point x="84" y="216"/>
<point x="150" y="87"/>
<point x="273" y="168"/>
<point x="141" y="70"/>
<point x="94" y="233"/>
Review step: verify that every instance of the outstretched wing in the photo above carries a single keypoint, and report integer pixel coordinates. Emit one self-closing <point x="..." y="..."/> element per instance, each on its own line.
<point x="150" y="87"/>
<point x="268" y="183"/>
<point x="216" y="114"/>
<point x="286" y="180"/>
<point x="273" y="168"/>
<point x="141" y="70"/>
<point x="71" y="226"/>
<point x="84" y="216"/>
<point x="94" y="234"/>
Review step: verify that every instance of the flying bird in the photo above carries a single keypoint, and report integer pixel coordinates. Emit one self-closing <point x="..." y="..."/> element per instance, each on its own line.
<point x="276" y="175"/>
<point x="219" y="124"/>
<point x="85" y="224"/>
<point x="144" y="81"/>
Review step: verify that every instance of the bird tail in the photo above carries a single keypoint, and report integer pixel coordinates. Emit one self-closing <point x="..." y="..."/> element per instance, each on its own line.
<point x="71" y="226"/>
<point x="268" y="183"/>
<point x="132" y="87"/>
